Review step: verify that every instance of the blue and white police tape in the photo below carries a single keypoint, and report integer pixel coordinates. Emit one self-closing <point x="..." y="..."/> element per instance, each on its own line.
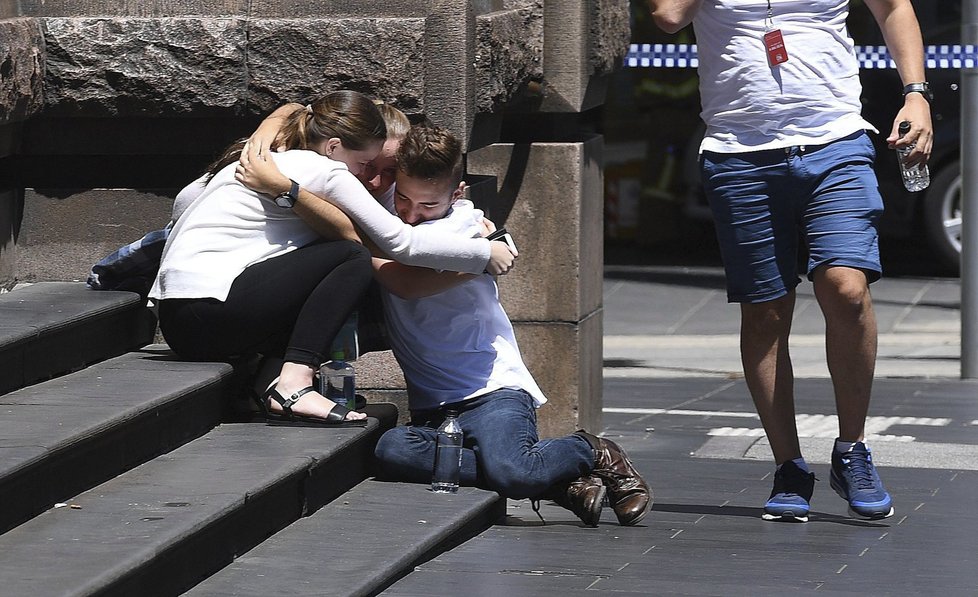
<point x="684" y="56"/>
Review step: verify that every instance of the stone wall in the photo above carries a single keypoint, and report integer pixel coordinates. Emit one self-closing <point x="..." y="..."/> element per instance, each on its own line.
<point x="447" y="59"/>
<point x="112" y="105"/>
<point x="21" y="96"/>
<point x="554" y="294"/>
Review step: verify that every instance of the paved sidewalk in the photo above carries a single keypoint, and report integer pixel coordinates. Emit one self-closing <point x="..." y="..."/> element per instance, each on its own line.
<point x="675" y="399"/>
<point x="675" y="321"/>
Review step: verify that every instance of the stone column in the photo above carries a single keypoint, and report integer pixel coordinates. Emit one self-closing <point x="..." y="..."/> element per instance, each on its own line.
<point x="551" y="200"/>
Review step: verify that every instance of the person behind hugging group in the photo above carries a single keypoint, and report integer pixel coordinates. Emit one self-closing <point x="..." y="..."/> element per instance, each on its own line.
<point x="241" y="274"/>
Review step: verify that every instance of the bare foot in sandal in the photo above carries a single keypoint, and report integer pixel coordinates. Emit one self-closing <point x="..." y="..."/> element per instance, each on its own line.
<point x="293" y="380"/>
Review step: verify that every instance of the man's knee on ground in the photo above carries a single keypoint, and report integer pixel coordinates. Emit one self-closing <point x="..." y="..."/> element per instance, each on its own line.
<point x="512" y="481"/>
<point x="392" y="453"/>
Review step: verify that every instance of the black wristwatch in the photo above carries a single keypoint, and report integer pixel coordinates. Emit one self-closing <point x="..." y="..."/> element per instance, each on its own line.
<point x="921" y="88"/>
<point x="288" y="198"/>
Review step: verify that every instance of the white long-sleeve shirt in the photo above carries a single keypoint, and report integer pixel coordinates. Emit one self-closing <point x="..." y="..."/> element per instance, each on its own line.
<point x="228" y="227"/>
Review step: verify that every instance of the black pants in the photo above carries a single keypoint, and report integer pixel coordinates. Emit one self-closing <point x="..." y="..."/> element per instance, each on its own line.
<point x="291" y="306"/>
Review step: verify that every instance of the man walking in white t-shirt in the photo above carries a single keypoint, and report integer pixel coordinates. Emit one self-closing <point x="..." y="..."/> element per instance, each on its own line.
<point x="786" y="150"/>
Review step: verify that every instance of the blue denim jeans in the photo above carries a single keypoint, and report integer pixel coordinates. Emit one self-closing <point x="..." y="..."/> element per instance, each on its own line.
<point x="501" y="450"/>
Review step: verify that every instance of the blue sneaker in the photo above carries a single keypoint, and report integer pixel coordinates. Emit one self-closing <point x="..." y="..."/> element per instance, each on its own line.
<point x="854" y="478"/>
<point x="792" y="491"/>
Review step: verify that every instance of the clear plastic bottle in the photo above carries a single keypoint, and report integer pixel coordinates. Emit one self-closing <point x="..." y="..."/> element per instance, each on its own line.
<point x="915" y="178"/>
<point x="337" y="381"/>
<point x="448" y="455"/>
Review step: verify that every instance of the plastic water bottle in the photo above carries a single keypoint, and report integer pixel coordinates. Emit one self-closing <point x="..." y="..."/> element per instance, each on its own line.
<point x="337" y="381"/>
<point x="915" y="178"/>
<point x="448" y="455"/>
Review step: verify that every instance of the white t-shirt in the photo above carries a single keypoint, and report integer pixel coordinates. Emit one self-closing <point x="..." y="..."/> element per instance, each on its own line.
<point x="228" y="227"/>
<point x="186" y="197"/>
<point x="748" y="105"/>
<point x="457" y="344"/>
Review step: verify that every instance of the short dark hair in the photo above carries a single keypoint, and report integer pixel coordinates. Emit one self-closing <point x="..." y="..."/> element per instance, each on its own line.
<point x="431" y="153"/>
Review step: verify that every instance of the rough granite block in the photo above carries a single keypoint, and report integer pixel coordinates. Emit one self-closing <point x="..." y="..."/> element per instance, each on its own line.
<point x="610" y="33"/>
<point x="338" y="8"/>
<point x="509" y="54"/>
<point x="134" y="8"/>
<point x="379" y="370"/>
<point x="379" y="379"/>
<point x="22" y="60"/>
<point x="144" y="67"/>
<point x="299" y="59"/>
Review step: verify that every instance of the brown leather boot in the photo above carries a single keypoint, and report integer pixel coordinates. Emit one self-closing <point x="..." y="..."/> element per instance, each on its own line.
<point x="583" y="496"/>
<point x="628" y="493"/>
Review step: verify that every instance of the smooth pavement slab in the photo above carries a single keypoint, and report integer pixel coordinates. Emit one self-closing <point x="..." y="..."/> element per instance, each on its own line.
<point x="705" y="536"/>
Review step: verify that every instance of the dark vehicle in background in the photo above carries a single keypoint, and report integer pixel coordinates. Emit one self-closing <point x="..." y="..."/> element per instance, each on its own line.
<point x="936" y="211"/>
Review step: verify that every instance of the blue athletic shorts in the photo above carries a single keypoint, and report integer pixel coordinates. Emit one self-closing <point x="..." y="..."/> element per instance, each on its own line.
<point x="765" y="202"/>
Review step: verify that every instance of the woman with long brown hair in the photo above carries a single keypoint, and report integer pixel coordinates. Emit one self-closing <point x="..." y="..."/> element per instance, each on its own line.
<point x="241" y="274"/>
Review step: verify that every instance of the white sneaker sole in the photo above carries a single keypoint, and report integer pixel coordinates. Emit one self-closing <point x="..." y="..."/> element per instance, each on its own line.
<point x="786" y="517"/>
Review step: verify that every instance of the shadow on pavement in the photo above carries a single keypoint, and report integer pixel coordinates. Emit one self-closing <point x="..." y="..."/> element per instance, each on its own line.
<point x="756" y="513"/>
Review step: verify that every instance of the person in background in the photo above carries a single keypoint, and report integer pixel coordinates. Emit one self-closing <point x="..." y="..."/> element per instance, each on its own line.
<point x="786" y="151"/>
<point x="457" y="349"/>
<point x="377" y="177"/>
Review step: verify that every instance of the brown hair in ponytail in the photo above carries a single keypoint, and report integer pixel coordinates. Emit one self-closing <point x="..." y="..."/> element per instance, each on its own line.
<point x="347" y="115"/>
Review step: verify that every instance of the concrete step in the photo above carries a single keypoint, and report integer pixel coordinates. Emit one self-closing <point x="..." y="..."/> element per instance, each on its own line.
<point x="68" y="434"/>
<point x="358" y="544"/>
<point x="50" y="328"/>
<point x="162" y="527"/>
<point x="159" y="491"/>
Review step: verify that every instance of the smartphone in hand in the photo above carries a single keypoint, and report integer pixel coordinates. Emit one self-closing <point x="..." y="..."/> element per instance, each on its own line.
<point x="502" y="235"/>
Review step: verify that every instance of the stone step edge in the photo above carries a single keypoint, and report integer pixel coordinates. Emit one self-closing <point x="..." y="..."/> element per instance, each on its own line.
<point x="74" y="327"/>
<point x="359" y="544"/>
<point x="124" y="538"/>
<point x="97" y="453"/>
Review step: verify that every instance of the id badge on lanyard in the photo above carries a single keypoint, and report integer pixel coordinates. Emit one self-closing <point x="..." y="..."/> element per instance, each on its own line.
<point x="773" y="41"/>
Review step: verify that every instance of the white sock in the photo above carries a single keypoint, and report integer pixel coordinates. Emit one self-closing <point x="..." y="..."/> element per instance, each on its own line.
<point x="843" y="446"/>
<point x="800" y="463"/>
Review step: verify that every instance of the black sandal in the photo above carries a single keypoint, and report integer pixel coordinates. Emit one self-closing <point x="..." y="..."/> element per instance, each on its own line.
<point x="335" y="418"/>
